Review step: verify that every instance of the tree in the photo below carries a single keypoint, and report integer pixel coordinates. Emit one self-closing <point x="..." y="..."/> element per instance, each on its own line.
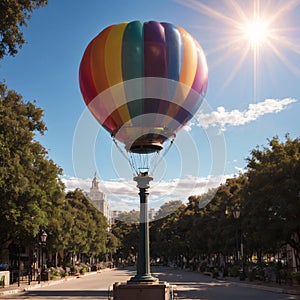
<point x="132" y="216"/>
<point x="30" y="185"/>
<point x="84" y="227"/>
<point x="13" y="15"/>
<point x="167" y="209"/>
<point x="273" y="193"/>
<point x="128" y="235"/>
<point x="165" y="239"/>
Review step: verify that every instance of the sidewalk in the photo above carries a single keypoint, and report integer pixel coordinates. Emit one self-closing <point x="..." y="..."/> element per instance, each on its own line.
<point x="264" y="285"/>
<point x="24" y="286"/>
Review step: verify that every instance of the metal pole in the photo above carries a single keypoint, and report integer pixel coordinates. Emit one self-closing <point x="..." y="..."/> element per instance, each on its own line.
<point x="29" y="268"/>
<point x="42" y="268"/>
<point x="143" y="263"/>
<point x="237" y="241"/>
<point x="39" y="264"/>
<point x="19" y="265"/>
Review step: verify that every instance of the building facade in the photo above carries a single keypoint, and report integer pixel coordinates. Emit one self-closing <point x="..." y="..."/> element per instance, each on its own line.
<point x="99" y="200"/>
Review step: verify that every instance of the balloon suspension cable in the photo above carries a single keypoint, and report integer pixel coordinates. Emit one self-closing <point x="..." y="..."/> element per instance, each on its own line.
<point x="141" y="163"/>
<point x="159" y="158"/>
<point x="130" y="161"/>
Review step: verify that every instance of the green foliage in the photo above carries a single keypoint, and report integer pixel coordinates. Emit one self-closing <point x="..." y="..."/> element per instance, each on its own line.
<point x="13" y="15"/>
<point x="168" y="208"/>
<point x="166" y="239"/>
<point x="54" y="273"/>
<point x="273" y="194"/>
<point x="132" y="216"/>
<point x="30" y="187"/>
<point x="234" y="271"/>
<point x="31" y="192"/>
<point x="127" y="234"/>
<point x="83" y="225"/>
<point x="268" y="197"/>
<point x="63" y="273"/>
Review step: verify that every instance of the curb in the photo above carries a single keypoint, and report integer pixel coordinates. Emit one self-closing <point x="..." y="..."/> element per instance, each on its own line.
<point x="279" y="290"/>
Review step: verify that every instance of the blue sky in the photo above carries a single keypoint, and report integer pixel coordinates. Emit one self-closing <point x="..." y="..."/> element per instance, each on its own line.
<point x="253" y="91"/>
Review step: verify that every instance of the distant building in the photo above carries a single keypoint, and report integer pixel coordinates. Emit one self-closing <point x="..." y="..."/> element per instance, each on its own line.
<point x="99" y="200"/>
<point x="114" y="215"/>
<point x="151" y="214"/>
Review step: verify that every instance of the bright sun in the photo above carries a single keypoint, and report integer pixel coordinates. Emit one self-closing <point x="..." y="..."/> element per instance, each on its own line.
<point x="256" y="32"/>
<point x="254" y="29"/>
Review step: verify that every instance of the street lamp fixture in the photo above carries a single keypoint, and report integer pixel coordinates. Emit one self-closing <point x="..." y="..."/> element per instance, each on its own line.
<point x="44" y="237"/>
<point x="236" y="212"/>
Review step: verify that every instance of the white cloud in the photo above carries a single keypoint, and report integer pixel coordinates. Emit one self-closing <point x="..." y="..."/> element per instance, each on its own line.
<point x="240" y="170"/>
<point x="123" y="194"/>
<point x="224" y="118"/>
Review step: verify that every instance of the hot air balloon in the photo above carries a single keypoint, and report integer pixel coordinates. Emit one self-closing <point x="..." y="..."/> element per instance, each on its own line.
<point x="143" y="82"/>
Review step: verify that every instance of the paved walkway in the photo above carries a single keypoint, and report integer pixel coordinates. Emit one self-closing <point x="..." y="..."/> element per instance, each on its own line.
<point x="268" y="286"/>
<point x="24" y="286"/>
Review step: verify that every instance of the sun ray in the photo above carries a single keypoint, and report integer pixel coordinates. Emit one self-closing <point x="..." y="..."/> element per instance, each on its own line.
<point x="283" y="10"/>
<point x="295" y="47"/>
<point x="226" y="55"/>
<point x="247" y="31"/>
<point x="205" y="9"/>
<point x="238" y="10"/>
<point x="284" y="59"/>
<point x="224" y="45"/>
<point x="236" y="67"/>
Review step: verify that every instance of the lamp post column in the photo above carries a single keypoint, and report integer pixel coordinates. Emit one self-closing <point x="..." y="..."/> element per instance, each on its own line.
<point x="236" y="215"/>
<point x="143" y="262"/>
<point x="43" y="243"/>
<point x="19" y="264"/>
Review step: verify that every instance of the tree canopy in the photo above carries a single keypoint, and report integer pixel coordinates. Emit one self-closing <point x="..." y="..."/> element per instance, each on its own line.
<point x="32" y="196"/>
<point x="267" y="196"/>
<point x="29" y="181"/>
<point x="273" y="194"/>
<point x="13" y="15"/>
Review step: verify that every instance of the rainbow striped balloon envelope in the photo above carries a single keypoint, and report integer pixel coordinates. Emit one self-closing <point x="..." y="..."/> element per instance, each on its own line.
<point x="143" y="82"/>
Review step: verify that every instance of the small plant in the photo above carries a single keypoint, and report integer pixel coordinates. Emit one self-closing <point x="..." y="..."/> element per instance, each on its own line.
<point x="296" y="277"/>
<point x="63" y="273"/>
<point x="215" y="273"/>
<point x="203" y="267"/>
<point x="234" y="271"/>
<point x="251" y="273"/>
<point x="53" y="272"/>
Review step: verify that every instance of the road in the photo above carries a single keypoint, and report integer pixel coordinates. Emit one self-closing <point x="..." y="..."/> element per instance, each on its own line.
<point x="189" y="285"/>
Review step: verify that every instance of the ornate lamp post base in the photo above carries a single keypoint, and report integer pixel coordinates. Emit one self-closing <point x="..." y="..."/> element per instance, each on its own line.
<point x="146" y="278"/>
